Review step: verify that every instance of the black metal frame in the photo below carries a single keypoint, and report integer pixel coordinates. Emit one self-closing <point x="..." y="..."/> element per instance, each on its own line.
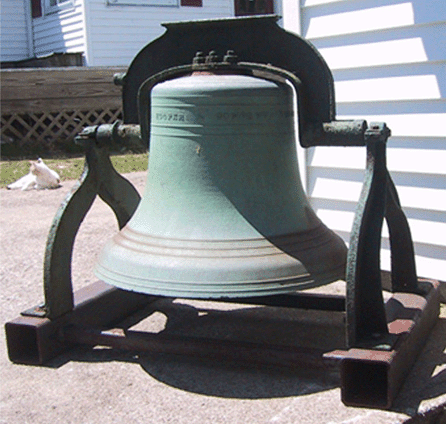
<point x="378" y="345"/>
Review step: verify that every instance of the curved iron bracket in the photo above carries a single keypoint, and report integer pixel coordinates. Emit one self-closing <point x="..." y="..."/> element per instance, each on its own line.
<point x="366" y="316"/>
<point x="98" y="179"/>
<point x="255" y="39"/>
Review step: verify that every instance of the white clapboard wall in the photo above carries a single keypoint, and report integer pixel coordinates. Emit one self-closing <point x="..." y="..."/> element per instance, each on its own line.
<point x="62" y="31"/>
<point x="388" y="59"/>
<point x="16" y="37"/>
<point x="112" y="32"/>
<point x="116" y="33"/>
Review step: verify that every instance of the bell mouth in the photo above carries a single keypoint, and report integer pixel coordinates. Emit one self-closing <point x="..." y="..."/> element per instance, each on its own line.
<point x="215" y="269"/>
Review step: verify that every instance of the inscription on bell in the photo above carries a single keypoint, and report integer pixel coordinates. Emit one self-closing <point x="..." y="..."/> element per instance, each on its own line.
<point x="176" y="117"/>
<point x="200" y="116"/>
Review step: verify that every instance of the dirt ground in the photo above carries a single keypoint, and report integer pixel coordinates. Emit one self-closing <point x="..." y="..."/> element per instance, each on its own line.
<point x="88" y="386"/>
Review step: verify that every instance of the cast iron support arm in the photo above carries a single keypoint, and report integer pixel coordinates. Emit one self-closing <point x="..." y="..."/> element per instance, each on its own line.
<point x="98" y="179"/>
<point x="366" y="318"/>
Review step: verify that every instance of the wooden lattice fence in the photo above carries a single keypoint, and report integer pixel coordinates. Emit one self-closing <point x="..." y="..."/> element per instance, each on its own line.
<point x="42" y="110"/>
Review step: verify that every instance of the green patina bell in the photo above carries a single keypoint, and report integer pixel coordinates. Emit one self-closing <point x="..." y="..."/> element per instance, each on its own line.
<point x="223" y="214"/>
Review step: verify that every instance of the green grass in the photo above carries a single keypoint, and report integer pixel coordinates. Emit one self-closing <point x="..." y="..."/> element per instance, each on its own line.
<point x="69" y="168"/>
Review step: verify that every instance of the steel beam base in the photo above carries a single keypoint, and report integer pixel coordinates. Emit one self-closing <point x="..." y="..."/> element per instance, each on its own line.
<point x="370" y="376"/>
<point x="34" y="339"/>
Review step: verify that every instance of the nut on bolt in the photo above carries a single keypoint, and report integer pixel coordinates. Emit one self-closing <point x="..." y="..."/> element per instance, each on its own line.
<point x="230" y="57"/>
<point x="199" y="58"/>
<point x="212" y="57"/>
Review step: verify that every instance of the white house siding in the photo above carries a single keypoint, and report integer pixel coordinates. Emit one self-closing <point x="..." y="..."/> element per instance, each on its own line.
<point x="116" y="33"/>
<point x="388" y="61"/>
<point x="60" y="32"/>
<point x="15" y="40"/>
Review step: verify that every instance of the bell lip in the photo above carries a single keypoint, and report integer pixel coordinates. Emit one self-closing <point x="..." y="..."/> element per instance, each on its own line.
<point x="224" y="290"/>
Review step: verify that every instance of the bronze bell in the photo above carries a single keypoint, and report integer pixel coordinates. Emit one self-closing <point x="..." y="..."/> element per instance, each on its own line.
<point x="223" y="214"/>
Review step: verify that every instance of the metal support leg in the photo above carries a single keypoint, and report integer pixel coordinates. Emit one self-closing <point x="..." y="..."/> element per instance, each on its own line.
<point x="366" y="318"/>
<point x="99" y="178"/>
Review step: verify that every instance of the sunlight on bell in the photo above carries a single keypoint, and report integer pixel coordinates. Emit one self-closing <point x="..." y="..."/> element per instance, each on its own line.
<point x="223" y="214"/>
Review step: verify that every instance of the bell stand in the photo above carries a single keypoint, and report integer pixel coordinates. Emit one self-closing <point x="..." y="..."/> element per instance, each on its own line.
<point x="383" y="339"/>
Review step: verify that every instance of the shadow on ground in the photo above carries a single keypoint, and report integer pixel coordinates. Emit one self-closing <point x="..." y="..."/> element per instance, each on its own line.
<point x="213" y="377"/>
<point x="228" y="379"/>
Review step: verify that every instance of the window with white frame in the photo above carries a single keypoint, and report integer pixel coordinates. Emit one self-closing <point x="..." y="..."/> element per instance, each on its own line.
<point x="52" y="6"/>
<point x="172" y="3"/>
<point x="46" y="7"/>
